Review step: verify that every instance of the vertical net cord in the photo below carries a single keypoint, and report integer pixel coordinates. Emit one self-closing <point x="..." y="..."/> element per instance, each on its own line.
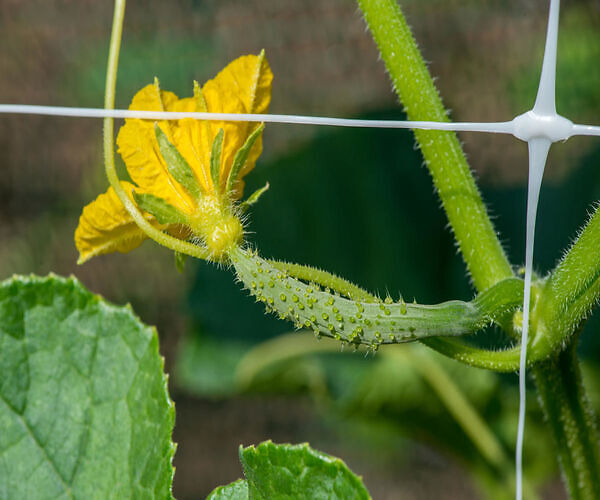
<point x="538" y="152"/>
<point x="545" y="105"/>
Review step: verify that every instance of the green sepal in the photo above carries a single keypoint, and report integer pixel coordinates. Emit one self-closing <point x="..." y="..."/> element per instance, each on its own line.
<point x="199" y="96"/>
<point x="254" y="197"/>
<point x="164" y="213"/>
<point x="215" y="159"/>
<point x="177" y="165"/>
<point x="180" y="259"/>
<point x="241" y="156"/>
<point x="156" y="84"/>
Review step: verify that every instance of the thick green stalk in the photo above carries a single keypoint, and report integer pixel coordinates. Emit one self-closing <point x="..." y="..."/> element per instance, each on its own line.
<point x="571" y="420"/>
<point x="443" y="154"/>
<point x="580" y="267"/>
<point x="571" y="291"/>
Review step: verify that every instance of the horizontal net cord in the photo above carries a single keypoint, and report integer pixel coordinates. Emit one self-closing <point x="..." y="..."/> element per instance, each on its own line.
<point x="586" y="130"/>
<point x="507" y="127"/>
<point x="27" y="109"/>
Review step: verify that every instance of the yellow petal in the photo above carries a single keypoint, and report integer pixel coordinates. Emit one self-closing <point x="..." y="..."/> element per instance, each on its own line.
<point x="139" y="148"/>
<point x="243" y="86"/>
<point x="105" y="226"/>
<point x="192" y="140"/>
<point x="249" y="79"/>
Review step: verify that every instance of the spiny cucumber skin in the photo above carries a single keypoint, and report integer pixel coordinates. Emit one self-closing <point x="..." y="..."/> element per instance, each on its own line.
<point x="331" y="315"/>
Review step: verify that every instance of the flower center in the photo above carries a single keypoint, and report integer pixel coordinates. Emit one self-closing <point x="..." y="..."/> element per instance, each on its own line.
<point x="219" y="229"/>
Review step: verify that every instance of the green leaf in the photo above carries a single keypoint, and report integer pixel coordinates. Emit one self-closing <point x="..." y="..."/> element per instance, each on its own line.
<point x="285" y="471"/>
<point x="164" y="213"/>
<point x="178" y="167"/>
<point x="241" y="156"/>
<point x="238" y="490"/>
<point x="84" y="407"/>
<point x="254" y="197"/>
<point x="215" y="159"/>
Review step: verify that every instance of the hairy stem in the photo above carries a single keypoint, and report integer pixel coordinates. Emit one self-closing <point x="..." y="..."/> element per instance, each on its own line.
<point x="571" y="421"/>
<point x="480" y="247"/>
<point x="109" y="148"/>
<point x="572" y="290"/>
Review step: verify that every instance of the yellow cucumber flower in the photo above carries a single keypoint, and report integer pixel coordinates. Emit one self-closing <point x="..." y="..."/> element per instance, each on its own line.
<point x="187" y="174"/>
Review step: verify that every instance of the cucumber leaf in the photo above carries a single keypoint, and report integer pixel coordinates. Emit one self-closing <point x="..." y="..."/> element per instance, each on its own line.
<point x="84" y="407"/>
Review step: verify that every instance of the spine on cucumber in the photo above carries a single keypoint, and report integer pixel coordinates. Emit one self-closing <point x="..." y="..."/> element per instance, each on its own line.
<point x="371" y="323"/>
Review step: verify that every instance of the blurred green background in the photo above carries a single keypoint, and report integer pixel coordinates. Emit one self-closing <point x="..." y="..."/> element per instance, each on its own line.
<point x="355" y="202"/>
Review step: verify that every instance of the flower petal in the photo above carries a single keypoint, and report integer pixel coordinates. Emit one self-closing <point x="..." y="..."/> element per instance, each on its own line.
<point x="244" y="86"/>
<point x="193" y="141"/>
<point x="248" y="78"/>
<point x="140" y="151"/>
<point x="105" y="226"/>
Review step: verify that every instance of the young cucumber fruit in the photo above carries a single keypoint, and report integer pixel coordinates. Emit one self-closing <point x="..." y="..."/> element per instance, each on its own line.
<point x="371" y="323"/>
